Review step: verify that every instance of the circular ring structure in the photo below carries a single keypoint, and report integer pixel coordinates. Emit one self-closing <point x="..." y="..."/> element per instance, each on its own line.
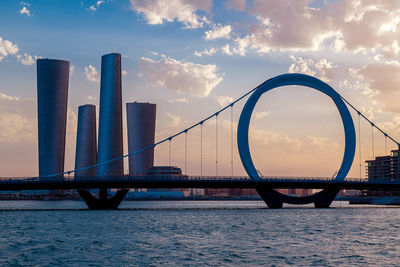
<point x="303" y="80"/>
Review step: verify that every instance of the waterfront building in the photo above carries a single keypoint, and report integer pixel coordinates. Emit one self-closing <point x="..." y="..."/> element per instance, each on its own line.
<point x="141" y="124"/>
<point x="231" y="193"/>
<point x="384" y="168"/>
<point x="86" y="142"/>
<point x="165" y="171"/>
<point x="110" y="117"/>
<point x="52" y="99"/>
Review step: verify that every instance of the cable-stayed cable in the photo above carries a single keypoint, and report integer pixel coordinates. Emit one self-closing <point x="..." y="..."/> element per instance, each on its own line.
<point x="201" y="123"/>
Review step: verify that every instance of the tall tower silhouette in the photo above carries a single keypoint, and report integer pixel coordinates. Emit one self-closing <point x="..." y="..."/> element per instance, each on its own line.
<point x="110" y="117"/>
<point x="86" y="142"/>
<point x="52" y="100"/>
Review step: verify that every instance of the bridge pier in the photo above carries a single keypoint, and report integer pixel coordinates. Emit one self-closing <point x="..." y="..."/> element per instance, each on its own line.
<point x="275" y="200"/>
<point x="103" y="203"/>
<point x="324" y="200"/>
<point x="270" y="197"/>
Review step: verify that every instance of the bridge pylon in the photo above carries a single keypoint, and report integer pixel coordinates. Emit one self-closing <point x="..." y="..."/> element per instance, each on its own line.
<point x="275" y="199"/>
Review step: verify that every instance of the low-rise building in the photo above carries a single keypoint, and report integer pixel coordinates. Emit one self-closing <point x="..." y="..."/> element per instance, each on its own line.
<point x="384" y="168"/>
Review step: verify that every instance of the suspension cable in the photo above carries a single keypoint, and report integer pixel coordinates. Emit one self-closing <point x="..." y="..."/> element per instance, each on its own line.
<point x="197" y="124"/>
<point x="169" y="152"/>
<point x="161" y="141"/>
<point x="359" y="141"/>
<point x="216" y="144"/>
<point x="373" y="145"/>
<point x="232" y="140"/>
<point x="379" y="129"/>
<point x="201" y="149"/>
<point x="386" y="152"/>
<point x="186" y="172"/>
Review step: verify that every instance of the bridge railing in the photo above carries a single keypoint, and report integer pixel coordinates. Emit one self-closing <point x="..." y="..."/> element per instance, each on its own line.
<point x="178" y="178"/>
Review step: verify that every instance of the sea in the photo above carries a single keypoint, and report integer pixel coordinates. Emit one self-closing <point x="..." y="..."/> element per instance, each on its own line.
<point x="197" y="233"/>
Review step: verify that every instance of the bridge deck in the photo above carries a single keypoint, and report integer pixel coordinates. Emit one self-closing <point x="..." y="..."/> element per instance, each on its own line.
<point x="191" y="182"/>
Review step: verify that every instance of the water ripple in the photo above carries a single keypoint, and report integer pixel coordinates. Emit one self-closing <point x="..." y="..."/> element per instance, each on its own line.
<point x="217" y="233"/>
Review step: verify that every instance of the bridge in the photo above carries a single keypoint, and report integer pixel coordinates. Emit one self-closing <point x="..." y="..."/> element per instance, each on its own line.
<point x="264" y="185"/>
<point x="138" y="182"/>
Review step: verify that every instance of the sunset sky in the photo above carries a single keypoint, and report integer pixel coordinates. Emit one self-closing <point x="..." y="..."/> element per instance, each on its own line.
<point x="193" y="57"/>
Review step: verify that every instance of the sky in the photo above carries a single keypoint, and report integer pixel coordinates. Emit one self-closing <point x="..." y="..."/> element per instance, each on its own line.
<point x="192" y="58"/>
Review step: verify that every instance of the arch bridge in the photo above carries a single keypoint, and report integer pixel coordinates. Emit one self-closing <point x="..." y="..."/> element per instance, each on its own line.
<point x="265" y="186"/>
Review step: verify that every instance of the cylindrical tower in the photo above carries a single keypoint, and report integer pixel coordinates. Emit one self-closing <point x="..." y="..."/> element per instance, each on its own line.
<point x="86" y="141"/>
<point x="52" y="99"/>
<point x="110" y="117"/>
<point x="141" y="118"/>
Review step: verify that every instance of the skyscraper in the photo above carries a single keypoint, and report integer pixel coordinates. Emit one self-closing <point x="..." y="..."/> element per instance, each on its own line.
<point x="141" y="123"/>
<point x="110" y="117"/>
<point x="52" y="99"/>
<point x="86" y="141"/>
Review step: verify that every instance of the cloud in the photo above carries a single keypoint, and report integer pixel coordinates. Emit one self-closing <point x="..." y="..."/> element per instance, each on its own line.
<point x="260" y="114"/>
<point x="178" y="100"/>
<point x="72" y="126"/>
<point x="18" y="136"/>
<point x="15" y="128"/>
<point x="180" y="76"/>
<point x="184" y="11"/>
<point x="303" y="155"/>
<point x="175" y="119"/>
<point x="238" y="5"/>
<point x="339" y="25"/>
<point x="17" y="121"/>
<point x="300" y="65"/>
<point x="226" y="50"/>
<point x="326" y="69"/>
<point x="27" y="59"/>
<point x="91" y="98"/>
<point x="7" y="48"/>
<point x="223" y="101"/>
<point x="322" y="143"/>
<point x="323" y="69"/>
<point x="218" y="31"/>
<point x="241" y="46"/>
<point x="91" y="74"/>
<point x="267" y="137"/>
<point x="382" y="82"/>
<point x="9" y="98"/>
<point x="25" y="11"/>
<point x="95" y="6"/>
<point x="393" y="50"/>
<point x="124" y="73"/>
<point x="208" y="52"/>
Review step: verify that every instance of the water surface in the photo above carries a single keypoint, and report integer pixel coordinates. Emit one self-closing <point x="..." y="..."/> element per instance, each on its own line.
<point x="189" y="233"/>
